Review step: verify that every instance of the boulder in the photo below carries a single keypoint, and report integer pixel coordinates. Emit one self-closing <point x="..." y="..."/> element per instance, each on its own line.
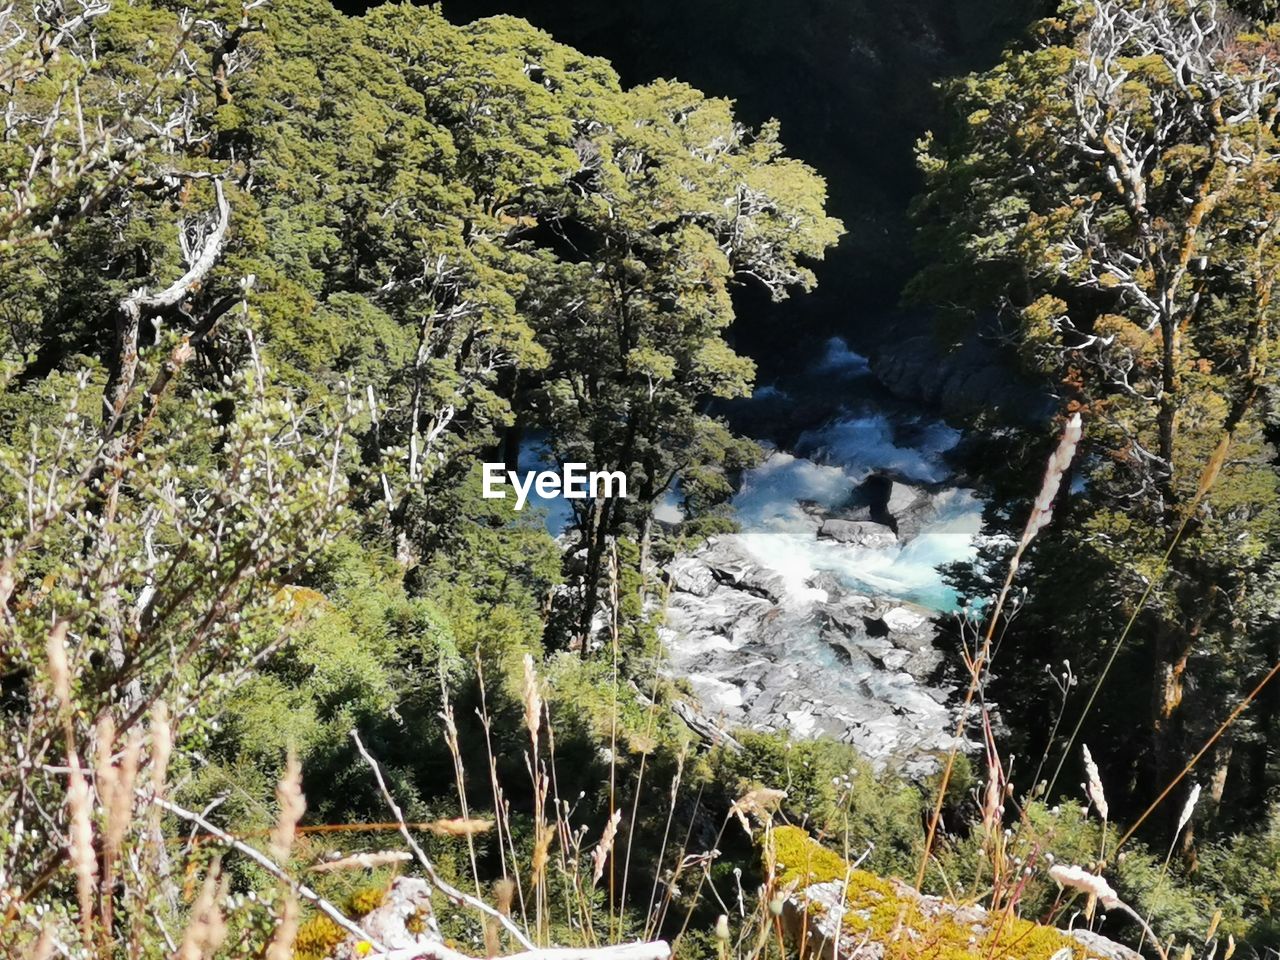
<point x="904" y="620"/>
<point x="903" y="507"/>
<point x="734" y="568"/>
<point x="840" y="913"/>
<point x="977" y="375"/>
<point x="691" y="575"/>
<point x="1096" y="945"/>
<point x="763" y="648"/>
<point x="858" y="533"/>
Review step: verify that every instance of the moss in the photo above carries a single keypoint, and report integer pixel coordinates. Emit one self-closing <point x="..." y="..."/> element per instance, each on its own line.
<point x="319" y="936"/>
<point x="801" y="858"/>
<point x="365" y="901"/>
<point x="943" y="937"/>
<point x="876" y="910"/>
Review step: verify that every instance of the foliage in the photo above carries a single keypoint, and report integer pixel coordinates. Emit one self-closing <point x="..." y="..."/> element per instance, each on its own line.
<point x="274" y="277"/>
<point x="835" y="791"/>
<point x="1111" y="189"/>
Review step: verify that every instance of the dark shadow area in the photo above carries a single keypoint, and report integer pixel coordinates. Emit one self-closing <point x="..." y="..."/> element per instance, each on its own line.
<point x="851" y="82"/>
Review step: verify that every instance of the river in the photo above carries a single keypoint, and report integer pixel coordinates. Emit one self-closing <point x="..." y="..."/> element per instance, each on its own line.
<point x="867" y="432"/>
<point x="782" y="627"/>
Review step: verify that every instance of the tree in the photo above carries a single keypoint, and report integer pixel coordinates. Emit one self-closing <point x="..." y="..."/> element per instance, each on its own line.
<point x="272" y="279"/>
<point x="675" y="201"/>
<point x="1114" y="191"/>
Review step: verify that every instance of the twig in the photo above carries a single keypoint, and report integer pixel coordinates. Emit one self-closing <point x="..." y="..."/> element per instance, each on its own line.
<point x="448" y="889"/>
<point x="262" y="860"/>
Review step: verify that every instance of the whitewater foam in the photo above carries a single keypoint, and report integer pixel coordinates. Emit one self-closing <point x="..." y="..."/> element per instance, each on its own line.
<point x="865" y="444"/>
<point x="838" y="359"/>
<point x="781" y="534"/>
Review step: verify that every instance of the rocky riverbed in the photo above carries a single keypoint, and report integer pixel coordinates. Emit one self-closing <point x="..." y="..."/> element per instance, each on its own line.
<point x="816" y="648"/>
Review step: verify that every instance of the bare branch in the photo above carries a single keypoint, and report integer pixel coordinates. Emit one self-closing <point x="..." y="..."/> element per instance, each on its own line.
<point x="448" y="889"/>
<point x="262" y="860"/>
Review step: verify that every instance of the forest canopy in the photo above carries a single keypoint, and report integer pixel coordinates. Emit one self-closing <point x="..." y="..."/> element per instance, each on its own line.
<point x="1109" y="194"/>
<point x="274" y="281"/>
<point x="277" y="681"/>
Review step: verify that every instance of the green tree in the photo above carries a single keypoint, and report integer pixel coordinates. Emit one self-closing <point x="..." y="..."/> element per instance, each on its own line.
<point x="676" y="201"/>
<point x="1113" y="190"/>
<point x="264" y="263"/>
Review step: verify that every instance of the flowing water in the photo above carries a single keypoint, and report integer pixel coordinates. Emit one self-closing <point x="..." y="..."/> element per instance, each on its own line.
<point x="865" y="432"/>
<point x="777" y="628"/>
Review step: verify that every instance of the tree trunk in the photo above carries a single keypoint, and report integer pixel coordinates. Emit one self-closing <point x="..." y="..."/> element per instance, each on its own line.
<point x="604" y="519"/>
<point x="1172" y="648"/>
<point x="646" y="541"/>
<point x="598" y="537"/>
<point x="512" y="439"/>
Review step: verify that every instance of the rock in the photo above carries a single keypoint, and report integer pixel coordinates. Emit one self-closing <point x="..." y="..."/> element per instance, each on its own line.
<point x="903" y="507"/>
<point x="865" y="918"/>
<point x="858" y="533"/>
<point x="404" y="920"/>
<point x="1096" y="945"/>
<point x="901" y="497"/>
<point x="765" y="649"/>
<point x="912" y="508"/>
<point x="957" y="380"/>
<point x="734" y="568"/>
<point x="691" y="575"/>
<point x="902" y="620"/>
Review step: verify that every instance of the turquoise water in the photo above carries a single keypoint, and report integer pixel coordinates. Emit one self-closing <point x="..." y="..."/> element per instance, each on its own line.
<point x="780" y="535"/>
<point x="828" y="463"/>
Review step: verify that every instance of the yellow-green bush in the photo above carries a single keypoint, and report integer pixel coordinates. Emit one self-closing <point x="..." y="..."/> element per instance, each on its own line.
<point x="318" y="936"/>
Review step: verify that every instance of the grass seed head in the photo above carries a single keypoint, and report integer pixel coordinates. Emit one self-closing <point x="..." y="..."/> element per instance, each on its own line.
<point x="1090" y="884"/>
<point x="1055" y="470"/>
<point x="292" y="806"/>
<point x="1189" y="808"/>
<point x="601" y="852"/>
<point x="1094" y="784"/>
<point x="532" y="698"/>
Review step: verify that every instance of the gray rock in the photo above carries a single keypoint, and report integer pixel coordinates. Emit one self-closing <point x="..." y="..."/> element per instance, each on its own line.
<point x="858" y="533"/>
<point x="731" y="567"/>
<point x="764" y="651"/>
<point x="1096" y="945"/>
<point x="906" y="508"/>
<point x="912" y="508"/>
<point x="690" y="575"/>
<point x="815" y="914"/>
<point x="958" y="379"/>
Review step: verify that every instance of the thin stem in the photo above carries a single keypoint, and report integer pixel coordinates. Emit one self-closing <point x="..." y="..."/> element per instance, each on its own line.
<point x="448" y="889"/>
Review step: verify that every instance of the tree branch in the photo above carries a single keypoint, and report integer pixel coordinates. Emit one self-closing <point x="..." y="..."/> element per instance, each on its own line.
<point x="448" y="889"/>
